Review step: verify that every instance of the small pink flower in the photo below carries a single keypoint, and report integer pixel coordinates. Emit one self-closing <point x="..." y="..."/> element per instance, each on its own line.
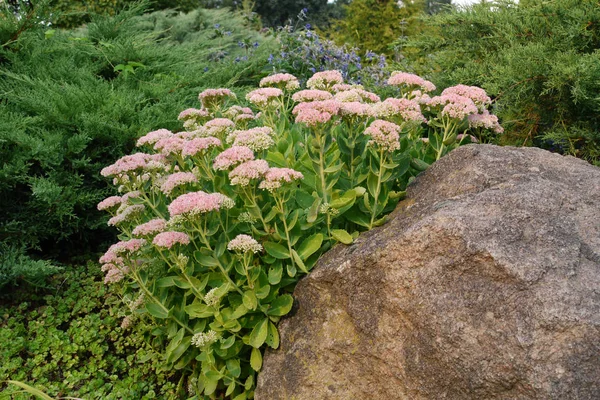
<point x="384" y="134"/>
<point x="264" y="97"/>
<point x="130" y="163"/>
<point x="153" y="137"/>
<point x="125" y="247"/>
<point x="477" y="94"/>
<point x="126" y="214"/>
<point x="257" y="139"/>
<point x="177" y="179"/>
<point x="244" y="173"/>
<point x="324" y="80"/>
<point x="281" y="81"/>
<point x="170" y="239"/>
<point x="199" y="203"/>
<point x="217" y="127"/>
<point x="317" y="112"/>
<point x="411" y="80"/>
<point x="232" y="156"/>
<point x="235" y="110"/>
<point x="408" y="110"/>
<point x="150" y="228"/>
<point x="311" y="95"/>
<point x="215" y="97"/>
<point x="356" y="109"/>
<point x="275" y="177"/>
<point x="199" y="145"/>
<point x="109" y="202"/>
<point x="244" y="243"/>
<point x="357" y="95"/>
<point x="485" y="120"/>
<point x="170" y="145"/>
<point x="454" y="105"/>
<point x="193" y="114"/>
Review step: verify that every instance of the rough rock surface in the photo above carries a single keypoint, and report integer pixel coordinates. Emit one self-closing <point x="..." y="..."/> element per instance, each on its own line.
<point x="485" y="284"/>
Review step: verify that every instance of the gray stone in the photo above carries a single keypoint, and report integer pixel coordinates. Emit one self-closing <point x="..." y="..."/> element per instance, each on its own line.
<point x="484" y="284"/>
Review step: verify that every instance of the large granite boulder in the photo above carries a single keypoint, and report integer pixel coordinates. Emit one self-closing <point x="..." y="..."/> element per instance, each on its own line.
<point x="485" y="284"/>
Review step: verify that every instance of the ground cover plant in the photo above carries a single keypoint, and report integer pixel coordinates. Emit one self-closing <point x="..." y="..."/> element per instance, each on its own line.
<point x="219" y="221"/>
<point x="71" y="100"/>
<point x="67" y="341"/>
<point x="538" y="59"/>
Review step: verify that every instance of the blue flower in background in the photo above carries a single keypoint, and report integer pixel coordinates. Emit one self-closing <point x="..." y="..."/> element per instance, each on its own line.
<point x="217" y="26"/>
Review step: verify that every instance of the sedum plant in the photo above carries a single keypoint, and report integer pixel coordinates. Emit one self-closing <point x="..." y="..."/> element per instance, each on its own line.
<point x="219" y="221"/>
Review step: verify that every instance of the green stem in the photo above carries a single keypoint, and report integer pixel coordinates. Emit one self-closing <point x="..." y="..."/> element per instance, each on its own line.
<point x="322" y="168"/>
<point x="378" y="188"/>
<point x="285" y="227"/>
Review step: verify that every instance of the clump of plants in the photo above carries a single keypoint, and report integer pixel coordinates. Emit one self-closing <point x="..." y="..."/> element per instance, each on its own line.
<point x="219" y="221"/>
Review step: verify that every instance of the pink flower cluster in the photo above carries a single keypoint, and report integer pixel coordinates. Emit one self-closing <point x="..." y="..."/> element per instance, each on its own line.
<point x="342" y="87"/>
<point x="235" y="111"/>
<point x="153" y="137"/>
<point x="485" y="120"/>
<point x="232" y="156"/>
<point x="324" y="80"/>
<point x="384" y="134"/>
<point x="170" y="145"/>
<point x="198" y="145"/>
<point x="199" y="203"/>
<point x="193" y="114"/>
<point x="356" y="109"/>
<point x="477" y="94"/>
<point x="177" y="179"/>
<point x="216" y="127"/>
<point x="109" y="202"/>
<point x="411" y="80"/>
<point x="264" y="97"/>
<point x="357" y="95"/>
<point x="215" y="97"/>
<point x="281" y="81"/>
<point x="454" y="105"/>
<point x="170" y="239"/>
<point x="311" y="95"/>
<point x="245" y="172"/>
<point x="408" y="110"/>
<point x="317" y="112"/>
<point x="130" y="163"/>
<point x="257" y="139"/>
<point x="127" y="247"/>
<point x="275" y="177"/>
<point x="130" y="195"/>
<point x="244" y="243"/>
<point x="151" y="227"/>
<point x="126" y="214"/>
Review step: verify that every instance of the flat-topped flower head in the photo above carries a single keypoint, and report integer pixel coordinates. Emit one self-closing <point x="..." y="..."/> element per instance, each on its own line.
<point x="170" y="145"/>
<point x="199" y="145"/>
<point x="407" y="110"/>
<point x="257" y="139"/>
<point x="342" y="87"/>
<point x="203" y="339"/>
<point x="127" y="164"/>
<point x="151" y="227"/>
<point x="217" y="127"/>
<point x="355" y="109"/>
<point x="244" y="173"/>
<point x="196" y="203"/>
<point x="170" y="239"/>
<point x="177" y="179"/>
<point x="485" y="120"/>
<point x="316" y="113"/>
<point x="233" y="156"/>
<point x="281" y="81"/>
<point x="193" y="114"/>
<point x="126" y="247"/>
<point x="411" y="81"/>
<point x="264" y="97"/>
<point x="126" y="214"/>
<point x="384" y="135"/>
<point x="325" y="80"/>
<point x="152" y="137"/>
<point x="276" y="177"/>
<point x="477" y="94"/>
<point x="130" y="195"/>
<point x="214" y="98"/>
<point x="235" y="110"/>
<point x="244" y="243"/>
<point x="110" y="203"/>
<point x="357" y="95"/>
<point x="311" y="95"/>
<point x="454" y="105"/>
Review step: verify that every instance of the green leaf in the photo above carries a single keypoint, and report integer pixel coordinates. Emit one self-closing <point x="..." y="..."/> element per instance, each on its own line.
<point x="419" y="165"/>
<point x="249" y="300"/>
<point x="242" y="396"/>
<point x="256" y="359"/>
<point x="199" y="310"/>
<point x="341" y="236"/>
<point x="276" y="250"/>
<point x="281" y="306"/>
<point x="179" y="350"/>
<point x="207" y="261"/>
<point x="372" y="184"/>
<point x="248" y="384"/>
<point x="31" y="390"/>
<point x="230" y="388"/>
<point x="259" y="333"/>
<point x="272" y="336"/>
<point x="299" y="262"/>
<point x="233" y="366"/>
<point x="313" y="211"/>
<point x="157" y="311"/>
<point x="310" y="245"/>
<point x="227" y="343"/>
<point x="275" y="273"/>
<point x="167" y="281"/>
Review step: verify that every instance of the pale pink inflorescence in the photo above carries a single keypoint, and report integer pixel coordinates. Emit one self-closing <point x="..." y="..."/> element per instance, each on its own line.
<point x="281" y="81"/>
<point x="130" y="195"/>
<point x="215" y="97"/>
<point x="151" y="227"/>
<point x="244" y="173"/>
<point x="233" y="156"/>
<point x="342" y="87"/>
<point x="311" y="95"/>
<point x="257" y="139"/>
<point x="276" y="177"/>
<point x="216" y="127"/>
<point x="357" y="95"/>
<point x="199" y="145"/>
<point x="153" y="137"/>
<point x="126" y="214"/>
<point x="199" y="203"/>
<point x="317" y="112"/>
<point x="485" y="120"/>
<point x="177" y="179"/>
<point x="477" y="94"/>
<point x="127" y="247"/>
<point x="244" y="243"/>
<point x="384" y="134"/>
<point x="170" y="239"/>
<point x="236" y="110"/>
<point x="193" y="114"/>
<point x="454" y="105"/>
<point x="170" y="145"/>
<point x="109" y="202"/>
<point x="408" y="110"/>
<point x="356" y="109"/>
<point x="411" y="80"/>
<point x="264" y="97"/>
<point x="133" y="162"/>
<point x="324" y="80"/>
